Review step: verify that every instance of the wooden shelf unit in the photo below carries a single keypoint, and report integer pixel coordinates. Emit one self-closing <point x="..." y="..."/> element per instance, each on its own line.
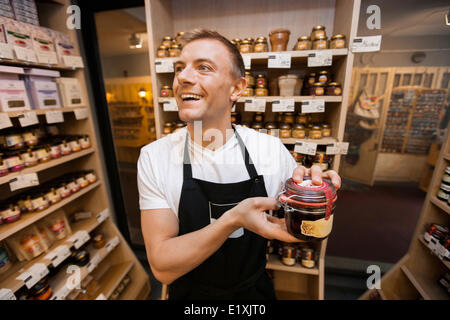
<point x="252" y="19"/>
<point x="93" y="198"/>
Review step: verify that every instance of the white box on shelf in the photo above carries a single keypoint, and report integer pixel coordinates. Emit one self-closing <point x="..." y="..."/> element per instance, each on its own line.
<point x="71" y="93"/>
<point x="13" y="95"/>
<point x="19" y="36"/>
<point x="64" y="45"/>
<point x="44" y="47"/>
<point x="42" y="88"/>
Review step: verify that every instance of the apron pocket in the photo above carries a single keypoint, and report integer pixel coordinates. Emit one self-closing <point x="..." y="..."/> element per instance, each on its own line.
<point x="216" y="210"/>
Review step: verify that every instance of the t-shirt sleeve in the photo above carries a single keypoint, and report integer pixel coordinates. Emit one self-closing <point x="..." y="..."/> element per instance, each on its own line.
<point x="289" y="163"/>
<point x="151" y="195"/>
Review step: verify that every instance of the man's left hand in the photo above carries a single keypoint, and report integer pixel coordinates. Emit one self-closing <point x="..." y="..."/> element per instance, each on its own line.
<point x="316" y="174"/>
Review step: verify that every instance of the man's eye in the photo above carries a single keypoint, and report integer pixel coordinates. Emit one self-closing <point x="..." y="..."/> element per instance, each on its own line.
<point x="178" y="69"/>
<point x="204" y="67"/>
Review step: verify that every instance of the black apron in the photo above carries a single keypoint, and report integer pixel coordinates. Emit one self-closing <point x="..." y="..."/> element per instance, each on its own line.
<point x="237" y="269"/>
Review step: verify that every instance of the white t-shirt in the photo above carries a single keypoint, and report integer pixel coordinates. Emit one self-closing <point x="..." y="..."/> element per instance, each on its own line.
<point x="160" y="165"/>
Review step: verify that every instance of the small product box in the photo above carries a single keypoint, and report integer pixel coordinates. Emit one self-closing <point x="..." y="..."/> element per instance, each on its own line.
<point x="64" y="46"/>
<point x="42" y="88"/>
<point x="43" y="46"/>
<point x="71" y="93"/>
<point x="19" y="36"/>
<point x="13" y="95"/>
<point x="6" y="10"/>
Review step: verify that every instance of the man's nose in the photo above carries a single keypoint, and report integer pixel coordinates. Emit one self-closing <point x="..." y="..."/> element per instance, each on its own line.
<point x="186" y="76"/>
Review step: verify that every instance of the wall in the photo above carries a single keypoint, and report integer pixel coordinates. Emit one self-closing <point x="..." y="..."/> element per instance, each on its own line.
<point x="135" y="65"/>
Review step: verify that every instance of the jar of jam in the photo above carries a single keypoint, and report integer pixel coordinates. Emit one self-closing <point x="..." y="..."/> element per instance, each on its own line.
<point x="321" y="159"/>
<point x="41" y="290"/>
<point x="320" y="43"/>
<point x="248" y="92"/>
<point x="337" y="41"/>
<point x="39" y="201"/>
<point x="257" y="126"/>
<point x="334" y="89"/>
<point x="58" y="228"/>
<point x="178" y="37"/>
<point x="167" y="42"/>
<point x="63" y="189"/>
<point x="326" y="130"/>
<point x="73" y="184"/>
<point x="81" y="180"/>
<point x="261" y="90"/>
<point x="309" y="209"/>
<point x="307" y="257"/>
<point x="29" y="158"/>
<point x="261" y="45"/>
<point x="288" y="256"/>
<point x="310" y="79"/>
<point x="250" y="79"/>
<point x="9" y="212"/>
<point x="258" y="117"/>
<point x="84" y="141"/>
<point x="98" y="241"/>
<point x="74" y="144"/>
<point x="235" y="117"/>
<point x="169" y="127"/>
<point x="3" y="166"/>
<point x="289" y="117"/>
<point x="51" y="130"/>
<point x="315" y="132"/>
<point x="14" y="140"/>
<point x="24" y="203"/>
<point x="285" y="130"/>
<point x="298" y="132"/>
<point x="65" y="147"/>
<point x="323" y="77"/>
<point x="318" y="89"/>
<point x="301" y="118"/>
<point x="317" y="31"/>
<point x="261" y="80"/>
<point x="55" y="149"/>
<point x="272" y="129"/>
<point x="80" y="257"/>
<point x="166" y="91"/>
<point x="162" y="52"/>
<point x="179" y="125"/>
<point x="246" y="46"/>
<point x="53" y="195"/>
<point x="90" y="176"/>
<point x="237" y="43"/>
<point x="31" y="244"/>
<point x="30" y="138"/>
<point x="174" y="50"/>
<point x="14" y="161"/>
<point x="42" y="153"/>
<point x="444" y="192"/>
<point x="303" y="43"/>
<point x="5" y="263"/>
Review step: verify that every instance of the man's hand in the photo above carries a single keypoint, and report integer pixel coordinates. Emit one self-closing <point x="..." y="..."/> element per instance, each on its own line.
<point x="316" y="174"/>
<point x="251" y="215"/>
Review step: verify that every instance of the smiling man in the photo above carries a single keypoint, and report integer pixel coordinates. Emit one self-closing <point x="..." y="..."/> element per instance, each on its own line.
<point x="205" y="189"/>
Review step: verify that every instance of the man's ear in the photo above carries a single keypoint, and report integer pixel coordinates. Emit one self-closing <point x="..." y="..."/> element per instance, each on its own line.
<point x="238" y="89"/>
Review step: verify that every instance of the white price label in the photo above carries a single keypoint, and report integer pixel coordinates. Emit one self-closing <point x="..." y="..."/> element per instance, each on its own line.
<point x="47" y="57"/>
<point x="320" y="59"/>
<point x="343" y="147"/>
<point x="313" y="106"/>
<point x="101" y="296"/>
<point x="247" y="61"/>
<point x="164" y="66"/>
<point x="33" y="274"/>
<point x="95" y="260"/>
<point x="255" y="105"/>
<point x="61" y="294"/>
<point x="25" y="54"/>
<point x="7" y="294"/>
<point x="332" y="149"/>
<point x="28" y="119"/>
<point x="24" y="181"/>
<point x="170" y="104"/>
<point x="90" y="267"/>
<point x="112" y="243"/>
<point x="102" y="215"/>
<point x="79" y="238"/>
<point x="366" y="44"/>
<point x="6" y="51"/>
<point x="305" y="147"/>
<point x="5" y="121"/>
<point x="279" y="60"/>
<point x="73" y="61"/>
<point x="283" y="105"/>
<point x="81" y="113"/>
<point x="58" y="255"/>
<point x="54" y="116"/>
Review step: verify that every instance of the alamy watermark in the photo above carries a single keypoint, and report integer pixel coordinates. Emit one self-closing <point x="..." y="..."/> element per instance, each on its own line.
<point x="73" y="21"/>
<point x="374" y="280"/>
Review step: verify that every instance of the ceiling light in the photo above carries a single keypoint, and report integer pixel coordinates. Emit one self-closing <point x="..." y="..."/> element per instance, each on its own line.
<point x="142" y="93"/>
<point x="135" y="41"/>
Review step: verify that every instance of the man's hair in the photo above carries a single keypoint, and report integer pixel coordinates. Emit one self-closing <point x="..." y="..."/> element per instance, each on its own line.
<point x="238" y="69"/>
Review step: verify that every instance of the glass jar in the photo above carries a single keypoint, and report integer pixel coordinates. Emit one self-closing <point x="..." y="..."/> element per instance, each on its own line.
<point x="29" y="158"/>
<point x="74" y="144"/>
<point x="310" y="79"/>
<point x="24" y="203"/>
<point x="334" y="89"/>
<point x="261" y="91"/>
<point x="80" y="257"/>
<point x="285" y="130"/>
<point x="30" y="138"/>
<point x="14" y="161"/>
<point x="250" y="79"/>
<point x="167" y="42"/>
<point x="323" y="77"/>
<point x="81" y="180"/>
<point x="63" y="189"/>
<point x="31" y="244"/>
<point x="320" y="43"/>
<point x="318" y="89"/>
<point x="307" y="257"/>
<point x="298" y="132"/>
<point x="53" y="196"/>
<point x="41" y="290"/>
<point x="3" y="166"/>
<point x="98" y="241"/>
<point x="162" y="52"/>
<point x="90" y="176"/>
<point x="317" y="32"/>
<point x="246" y="47"/>
<point x="326" y="130"/>
<point x="337" y="41"/>
<point x="174" y="50"/>
<point x="315" y="132"/>
<point x="245" y="124"/>
<point x="39" y="201"/>
<point x="257" y="126"/>
<point x="65" y="148"/>
<point x="58" y="228"/>
<point x="42" y="153"/>
<point x="309" y="209"/>
<point x="301" y="118"/>
<point x="303" y="43"/>
<point x="288" y="256"/>
<point x="321" y="159"/>
<point x="237" y="43"/>
<point x="166" y="91"/>
<point x="14" y="140"/>
<point x="261" y="80"/>
<point x="55" y="150"/>
<point x="444" y="192"/>
<point x="248" y="92"/>
<point x="272" y="129"/>
<point x="446" y="176"/>
<point x="84" y="141"/>
<point x="235" y="117"/>
<point x="289" y="117"/>
<point x="169" y="127"/>
<point x="179" y="125"/>
<point x="73" y="184"/>
<point x="9" y="212"/>
<point x="261" y="45"/>
<point x="258" y="117"/>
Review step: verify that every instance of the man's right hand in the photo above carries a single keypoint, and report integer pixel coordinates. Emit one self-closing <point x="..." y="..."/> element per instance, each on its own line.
<point x="251" y="215"/>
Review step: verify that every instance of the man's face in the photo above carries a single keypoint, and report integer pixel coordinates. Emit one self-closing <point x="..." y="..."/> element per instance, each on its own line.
<point x="203" y="82"/>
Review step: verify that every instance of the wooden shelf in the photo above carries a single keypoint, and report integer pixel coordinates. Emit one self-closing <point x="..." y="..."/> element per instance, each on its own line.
<point x="112" y="278"/>
<point x="441" y="204"/>
<point x="26" y="64"/>
<point x="27" y="219"/>
<point x="274" y="263"/>
<point x="447" y="156"/>
<point x="39" y="112"/>
<point x="323" y="141"/>
<point x="270" y="99"/>
<point x="287" y="295"/>
<point x="445" y="263"/>
<point x="426" y="287"/>
<point x="47" y="165"/>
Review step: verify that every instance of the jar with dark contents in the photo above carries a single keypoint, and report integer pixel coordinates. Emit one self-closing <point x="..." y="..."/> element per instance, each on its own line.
<point x="14" y="139"/>
<point x="41" y="290"/>
<point x="315" y="132"/>
<point x="167" y="42"/>
<point x="257" y="126"/>
<point x="235" y="117"/>
<point x="272" y="129"/>
<point x="261" y="80"/>
<point x="175" y="50"/>
<point x="80" y="257"/>
<point x="98" y="241"/>
<point x="14" y="161"/>
<point x="261" y="91"/>
<point x="334" y="89"/>
<point x="307" y="257"/>
<point x="162" y="52"/>
<point x="289" y="117"/>
<point x="29" y="158"/>
<point x="248" y="92"/>
<point x="299" y="131"/>
<point x="310" y="79"/>
<point x="309" y="209"/>
<point x="258" y="117"/>
<point x="326" y="130"/>
<point x="166" y="91"/>
<point x="9" y="212"/>
<point x="3" y="166"/>
<point x="285" y="130"/>
<point x="323" y="77"/>
<point x="237" y="43"/>
<point x="317" y="89"/>
<point x="30" y="138"/>
<point x="289" y="255"/>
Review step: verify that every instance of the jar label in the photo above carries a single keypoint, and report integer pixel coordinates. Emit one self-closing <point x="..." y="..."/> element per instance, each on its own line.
<point x="13" y="161"/>
<point x="339" y="44"/>
<point x="318" y="228"/>
<point x="337" y="91"/>
<point x="39" y="202"/>
<point x="323" y="78"/>
<point x="301" y="46"/>
<point x="163" y="93"/>
<point x="288" y="261"/>
<point x="308" y="263"/>
<point x="11" y="141"/>
<point x="318" y="91"/>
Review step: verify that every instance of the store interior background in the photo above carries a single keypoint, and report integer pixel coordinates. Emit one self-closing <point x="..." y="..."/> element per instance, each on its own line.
<point x="377" y="213"/>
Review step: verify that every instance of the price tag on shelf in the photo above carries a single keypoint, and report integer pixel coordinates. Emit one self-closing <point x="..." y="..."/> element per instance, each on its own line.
<point x="25" y="54"/>
<point x="5" y="121"/>
<point x="95" y="260"/>
<point x="366" y="44"/>
<point x="101" y="296"/>
<point x="47" y="57"/>
<point x="58" y="255"/>
<point x="24" y="181"/>
<point x="247" y="61"/>
<point x="164" y="65"/>
<point x="279" y="60"/>
<point x="332" y="149"/>
<point x="73" y="61"/>
<point x="55" y="116"/>
<point x="6" y="51"/>
<point x="112" y="243"/>
<point x="313" y="106"/>
<point x="79" y="238"/>
<point x="320" y="59"/>
<point x="28" y="119"/>
<point x="81" y="113"/>
<point x="61" y="294"/>
<point x="170" y="104"/>
<point x="33" y="274"/>
<point x="255" y="105"/>
<point x="305" y="147"/>
<point x="102" y="215"/>
<point x="343" y="147"/>
<point x="7" y="294"/>
<point x="283" y="105"/>
<point x="90" y="267"/>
